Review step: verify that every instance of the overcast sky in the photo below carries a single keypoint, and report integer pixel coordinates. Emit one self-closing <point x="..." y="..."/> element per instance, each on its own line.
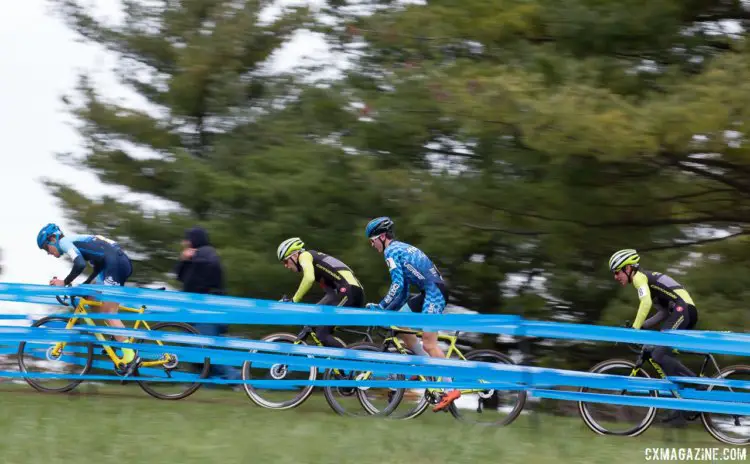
<point x="41" y="60"/>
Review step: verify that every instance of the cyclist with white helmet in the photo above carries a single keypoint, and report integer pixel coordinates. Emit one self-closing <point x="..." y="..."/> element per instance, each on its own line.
<point x="675" y="307"/>
<point x="408" y="265"/>
<point x="111" y="266"/>
<point x="340" y="285"/>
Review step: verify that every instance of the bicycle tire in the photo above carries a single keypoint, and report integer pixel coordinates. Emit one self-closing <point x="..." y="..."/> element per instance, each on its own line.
<point x="256" y="398"/>
<point x="74" y="383"/>
<point x="706" y="417"/>
<point x="191" y="388"/>
<point x="423" y="402"/>
<point x="517" y="409"/>
<point x="597" y="428"/>
<point x="393" y="399"/>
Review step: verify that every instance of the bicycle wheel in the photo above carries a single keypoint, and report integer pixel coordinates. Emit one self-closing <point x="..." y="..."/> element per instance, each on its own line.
<point x="492" y="407"/>
<point x="184" y="370"/>
<point x="278" y="398"/>
<point x="362" y="401"/>
<point x="602" y="418"/>
<point x="729" y="429"/>
<point x="76" y="358"/>
<point x="416" y="400"/>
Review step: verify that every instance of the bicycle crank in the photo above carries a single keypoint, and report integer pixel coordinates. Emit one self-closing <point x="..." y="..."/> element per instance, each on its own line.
<point x="51" y="355"/>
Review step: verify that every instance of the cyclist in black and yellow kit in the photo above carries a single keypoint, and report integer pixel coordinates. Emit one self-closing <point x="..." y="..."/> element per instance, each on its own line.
<point x="675" y="307"/>
<point x="337" y="280"/>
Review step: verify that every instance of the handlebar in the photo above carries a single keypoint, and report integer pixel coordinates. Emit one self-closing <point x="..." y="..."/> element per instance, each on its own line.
<point x="634" y="347"/>
<point x="63" y="300"/>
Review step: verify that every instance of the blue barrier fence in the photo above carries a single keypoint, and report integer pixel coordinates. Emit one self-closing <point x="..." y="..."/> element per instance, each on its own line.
<point x="191" y="308"/>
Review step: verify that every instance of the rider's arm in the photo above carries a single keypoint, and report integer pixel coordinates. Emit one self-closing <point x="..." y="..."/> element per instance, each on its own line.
<point x="97" y="269"/>
<point x="308" y="276"/>
<point x="396" y="295"/>
<point x="640" y="282"/>
<point x="79" y="264"/>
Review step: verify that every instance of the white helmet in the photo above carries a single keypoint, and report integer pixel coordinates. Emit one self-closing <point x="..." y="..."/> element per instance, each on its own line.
<point x="288" y="247"/>
<point x="622" y="258"/>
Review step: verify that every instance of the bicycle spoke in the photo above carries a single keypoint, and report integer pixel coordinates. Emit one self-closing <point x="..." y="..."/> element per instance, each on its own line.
<point x="612" y="419"/>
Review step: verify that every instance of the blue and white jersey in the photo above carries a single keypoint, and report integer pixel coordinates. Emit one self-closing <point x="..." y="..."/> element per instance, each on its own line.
<point x="408" y="265"/>
<point x="93" y="249"/>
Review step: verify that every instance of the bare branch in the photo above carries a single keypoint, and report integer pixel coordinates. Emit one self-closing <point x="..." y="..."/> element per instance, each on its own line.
<point x="667" y="221"/>
<point x="696" y="242"/>
<point x="717" y="163"/>
<point x="678" y="198"/>
<point x="678" y="162"/>
<point x="528" y="233"/>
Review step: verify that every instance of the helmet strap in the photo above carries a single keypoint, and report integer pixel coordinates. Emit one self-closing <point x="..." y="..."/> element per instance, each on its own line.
<point x="56" y="244"/>
<point x="296" y="262"/>
<point x="633" y="270"/>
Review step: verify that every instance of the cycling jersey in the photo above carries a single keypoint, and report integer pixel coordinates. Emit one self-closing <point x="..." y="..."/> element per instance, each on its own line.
<point x="659" y="289"/>
<point x="111" y="265"/>
<point x="325" y="269"/>
<point x="409" y="265"/>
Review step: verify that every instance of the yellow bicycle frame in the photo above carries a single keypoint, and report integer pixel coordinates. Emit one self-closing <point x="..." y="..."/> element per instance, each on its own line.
<point x="660" y="371"/>
<point x="320" y="344"/>
<point x="452" y="348"/>
<point x="80" y="311"/>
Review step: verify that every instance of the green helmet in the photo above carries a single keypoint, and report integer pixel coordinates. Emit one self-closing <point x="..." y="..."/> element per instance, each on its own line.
<point x="622" y="258"/>
<point x="289" y="246"/>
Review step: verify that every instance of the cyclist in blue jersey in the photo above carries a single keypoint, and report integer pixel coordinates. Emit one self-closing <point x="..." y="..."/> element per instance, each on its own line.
<point x="111" y="266"/>
<point x="408" y="265"/>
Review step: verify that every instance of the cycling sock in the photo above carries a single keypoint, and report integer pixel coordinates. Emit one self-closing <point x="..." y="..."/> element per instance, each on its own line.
<point x="128" y="355"/>
<point x="419" y="350"/>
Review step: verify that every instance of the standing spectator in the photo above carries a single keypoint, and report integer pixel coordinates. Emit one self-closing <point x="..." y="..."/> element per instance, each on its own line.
<point x="200" y="271"/>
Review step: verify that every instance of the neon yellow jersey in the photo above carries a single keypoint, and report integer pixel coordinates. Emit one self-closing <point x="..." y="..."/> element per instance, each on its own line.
<point x="320" y="267"/>
<point x="658" y="287"/>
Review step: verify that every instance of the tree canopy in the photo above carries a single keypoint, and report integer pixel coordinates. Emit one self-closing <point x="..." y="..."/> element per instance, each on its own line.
<point x="519" y="143"/>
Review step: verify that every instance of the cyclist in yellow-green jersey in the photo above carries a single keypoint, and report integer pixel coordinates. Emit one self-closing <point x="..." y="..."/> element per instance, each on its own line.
<point x="674" y="306"/>
<point x="340" y="285"/>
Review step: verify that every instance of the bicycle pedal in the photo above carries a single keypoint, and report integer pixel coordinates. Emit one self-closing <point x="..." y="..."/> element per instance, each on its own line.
<point x="128" y="369"/>
<point x="691" y="417"/>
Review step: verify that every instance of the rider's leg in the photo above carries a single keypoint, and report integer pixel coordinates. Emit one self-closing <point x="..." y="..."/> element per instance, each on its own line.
<point x="412" y="342"/>
<point x="116" y="273"/>
<point x="430" y="341"/>
<point x="436" y="298"/>
<point x="110" y="307"/>
<point x="414" y="303"/>
<point x="683" y="317"/>
<point x="325" y="333"/>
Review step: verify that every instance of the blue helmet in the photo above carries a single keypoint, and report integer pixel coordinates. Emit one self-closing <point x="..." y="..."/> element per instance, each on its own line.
<point x="378" y="225"/>
<point x="47" y="231"/>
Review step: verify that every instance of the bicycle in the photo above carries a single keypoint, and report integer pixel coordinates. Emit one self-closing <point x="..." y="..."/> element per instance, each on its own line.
<point x="431" y="396"/>
<point x="282" y="371"/>
<point x="166" y="363"/>
<point x="712" y="426"/>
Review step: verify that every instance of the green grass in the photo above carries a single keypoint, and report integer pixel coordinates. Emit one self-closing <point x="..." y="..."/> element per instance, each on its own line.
<point x="123" y="425"/>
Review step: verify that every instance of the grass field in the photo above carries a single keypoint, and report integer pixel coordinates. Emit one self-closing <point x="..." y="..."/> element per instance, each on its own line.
<point x="111" y="424"/>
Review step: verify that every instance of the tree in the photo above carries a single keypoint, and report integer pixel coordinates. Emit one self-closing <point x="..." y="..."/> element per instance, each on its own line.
<point x="547" y="129"/>
<point x="514" y="149"/>
<point x="223" y="141"/>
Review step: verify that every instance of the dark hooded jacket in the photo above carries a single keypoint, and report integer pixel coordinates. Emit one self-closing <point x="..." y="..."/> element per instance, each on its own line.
<point x="203" y="273"/>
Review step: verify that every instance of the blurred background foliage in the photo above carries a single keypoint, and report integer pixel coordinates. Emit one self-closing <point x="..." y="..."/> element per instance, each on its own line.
<point x="518" y="143"/>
